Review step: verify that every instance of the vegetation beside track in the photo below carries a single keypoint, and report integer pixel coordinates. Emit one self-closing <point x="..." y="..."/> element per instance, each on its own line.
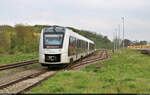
<point x="19" y="43"/>
<point x="124" y="73"/>
<point x="25" y="38"/>
<point x="18" y="57"/>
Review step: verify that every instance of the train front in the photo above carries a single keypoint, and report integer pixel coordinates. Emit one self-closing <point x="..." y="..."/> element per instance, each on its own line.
<point x="51" y="50"/>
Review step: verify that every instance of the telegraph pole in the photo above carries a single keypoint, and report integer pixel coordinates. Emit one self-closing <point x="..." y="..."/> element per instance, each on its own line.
<point x="116" y="39"/>
<point x="119" y="37"/>
<point x="123" y="30"/>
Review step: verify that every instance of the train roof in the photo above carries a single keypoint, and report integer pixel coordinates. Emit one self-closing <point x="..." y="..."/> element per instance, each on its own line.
<point x="78" y="36"/>
<point x="67" y="30"/>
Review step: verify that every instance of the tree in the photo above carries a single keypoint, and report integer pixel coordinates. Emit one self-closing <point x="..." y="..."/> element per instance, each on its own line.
<point x="127" y="42"/>
<point x="4" y="41"/>
<point x="143" y="42"/>
<point x="24" y="38"/>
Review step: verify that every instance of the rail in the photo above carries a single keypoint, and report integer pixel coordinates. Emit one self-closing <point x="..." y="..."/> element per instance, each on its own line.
<point x="19" y="64"/>
<point x="5" y="86"/>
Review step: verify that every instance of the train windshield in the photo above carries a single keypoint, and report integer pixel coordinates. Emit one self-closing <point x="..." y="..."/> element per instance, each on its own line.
<point x="53" y="40"/>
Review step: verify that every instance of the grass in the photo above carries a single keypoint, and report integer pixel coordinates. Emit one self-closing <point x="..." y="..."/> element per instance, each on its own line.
<point x="124" y="73"/>
<point x="9" y="59"/>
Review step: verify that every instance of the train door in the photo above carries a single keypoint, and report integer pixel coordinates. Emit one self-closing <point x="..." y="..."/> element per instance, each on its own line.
<point x="70" y="47"/>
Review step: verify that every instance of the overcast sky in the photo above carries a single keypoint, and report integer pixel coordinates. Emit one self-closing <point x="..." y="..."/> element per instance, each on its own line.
<point x="101" y="16"/>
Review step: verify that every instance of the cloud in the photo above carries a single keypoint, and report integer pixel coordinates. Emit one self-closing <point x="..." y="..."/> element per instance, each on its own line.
<point x="101" y="16"/>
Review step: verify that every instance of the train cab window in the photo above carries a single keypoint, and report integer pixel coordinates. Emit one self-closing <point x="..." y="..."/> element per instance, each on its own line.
<point x="53" y="40"/>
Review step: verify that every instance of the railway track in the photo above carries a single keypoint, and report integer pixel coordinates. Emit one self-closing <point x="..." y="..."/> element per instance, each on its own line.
<point x="106" y="56"/>
<point x="19" y="64"/>
<point x="101" y="56"/>
<point x="20" y="78"/>
<point x="26" y="82"/>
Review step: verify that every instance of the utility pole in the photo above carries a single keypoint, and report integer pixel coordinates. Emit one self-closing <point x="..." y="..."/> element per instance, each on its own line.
<point x="123" y="30"/>
<point x="119" y="37"/>
<point x="116" y="39"/>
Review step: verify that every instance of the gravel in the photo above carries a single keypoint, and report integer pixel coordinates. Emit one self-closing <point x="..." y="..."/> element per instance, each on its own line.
<point x="20" y="86"/>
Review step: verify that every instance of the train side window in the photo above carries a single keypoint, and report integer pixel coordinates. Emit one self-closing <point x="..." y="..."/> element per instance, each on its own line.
<point x="74" y="42"/>
<point x="91" y="47"/>
<point x="86" y="45"/>
<point x="78" y="45"/>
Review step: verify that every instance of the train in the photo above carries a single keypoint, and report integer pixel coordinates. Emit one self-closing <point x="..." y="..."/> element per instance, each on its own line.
<point x="60" y="46"/>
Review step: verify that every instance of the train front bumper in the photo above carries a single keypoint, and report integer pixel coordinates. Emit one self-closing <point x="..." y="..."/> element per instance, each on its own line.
<point x="53" y="58"/>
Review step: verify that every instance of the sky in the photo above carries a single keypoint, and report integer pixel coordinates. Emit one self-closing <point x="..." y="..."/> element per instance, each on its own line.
<point x="100" y="16"/>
